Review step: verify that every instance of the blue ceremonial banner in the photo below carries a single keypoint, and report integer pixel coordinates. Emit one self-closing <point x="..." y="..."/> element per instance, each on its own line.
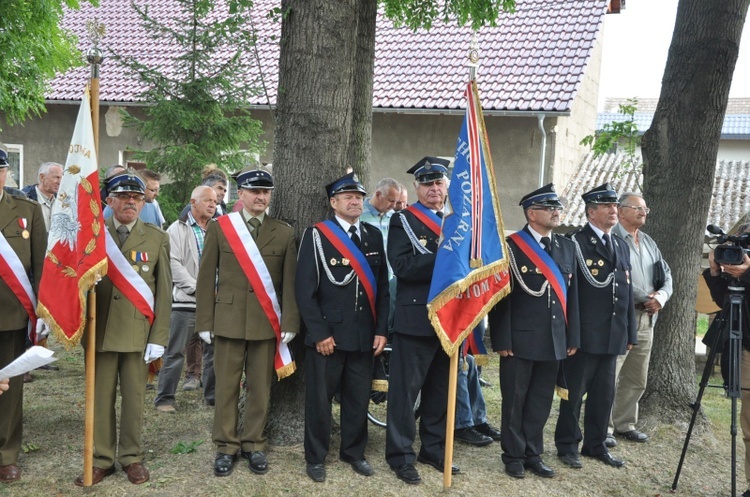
<point x="471" y="266"/>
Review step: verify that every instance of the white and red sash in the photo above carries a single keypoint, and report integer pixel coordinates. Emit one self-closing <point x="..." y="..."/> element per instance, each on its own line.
<point x="14" y="275"/>
<point x="128" y="281"/>
<point x="255" y="269"/>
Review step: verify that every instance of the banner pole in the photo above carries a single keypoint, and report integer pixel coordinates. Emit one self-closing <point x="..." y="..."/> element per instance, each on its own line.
<point x="94" y="58"/>
<point x="450" y="422"/>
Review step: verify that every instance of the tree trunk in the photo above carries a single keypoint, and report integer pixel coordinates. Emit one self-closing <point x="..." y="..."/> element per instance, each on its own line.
<point x="679" y="156"/>
<point x="360" y="142"/>
<point x="316" y="105"/>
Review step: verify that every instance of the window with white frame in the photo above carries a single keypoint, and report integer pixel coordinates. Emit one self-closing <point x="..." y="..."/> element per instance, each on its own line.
<point x="15" y="159"/>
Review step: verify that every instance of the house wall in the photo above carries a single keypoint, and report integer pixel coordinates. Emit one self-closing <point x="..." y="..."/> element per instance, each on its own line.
<point x="400" y="140"/>
<point x="581" y="122"/>
<point x="734" y="150"/>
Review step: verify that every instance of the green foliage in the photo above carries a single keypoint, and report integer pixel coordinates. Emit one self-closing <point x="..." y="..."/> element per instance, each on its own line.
<point x="701" y="325"/>
<point x="186" y="447"/>
<point x="422" y="13"/>
<point x="34" y="50"/>
<point x="171" y="202"/>
<point x="618" y="134"/>
<point x="198" y="112"/>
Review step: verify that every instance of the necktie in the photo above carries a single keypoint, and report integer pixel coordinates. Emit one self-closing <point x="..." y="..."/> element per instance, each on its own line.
<point x="608" y="246"/>
<point x="255" y="223"/>
<point x="355" y="236"/>
<point x="122" y="234"/>
<point x="547" y="244"/>
<point x="439" y="214"/>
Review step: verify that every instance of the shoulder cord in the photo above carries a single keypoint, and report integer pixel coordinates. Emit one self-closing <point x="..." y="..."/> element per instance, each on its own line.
<point x="412" y="236"/>
<point x="587" y="272"/>
<point x="319" y="246"/>
<point x="521" y="282"/>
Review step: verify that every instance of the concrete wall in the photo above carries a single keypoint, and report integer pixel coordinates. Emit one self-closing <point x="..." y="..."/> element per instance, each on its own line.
<point x="400" y="140"/>
<point x="734" y="150"/>
<point x="581" y="122"/>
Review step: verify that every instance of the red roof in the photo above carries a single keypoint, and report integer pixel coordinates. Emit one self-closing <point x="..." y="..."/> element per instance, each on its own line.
<point x="534" y="60"/>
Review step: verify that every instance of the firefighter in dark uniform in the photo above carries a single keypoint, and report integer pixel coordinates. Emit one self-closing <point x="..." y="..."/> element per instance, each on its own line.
<point x="608" y="329"/>
<point x="418" y="361"/>
<point x="533" y="329"/>
<point x="341" y="288"/>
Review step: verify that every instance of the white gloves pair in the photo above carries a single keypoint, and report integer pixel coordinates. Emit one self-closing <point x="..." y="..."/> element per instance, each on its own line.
<point x="153" y="352"/>
<point x="286" y="336"/>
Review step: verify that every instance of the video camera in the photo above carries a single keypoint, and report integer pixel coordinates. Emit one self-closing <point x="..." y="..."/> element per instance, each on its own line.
<point x="731" y="254"/>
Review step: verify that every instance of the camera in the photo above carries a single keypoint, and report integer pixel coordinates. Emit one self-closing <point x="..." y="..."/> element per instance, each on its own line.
<point x="734" y="253"/>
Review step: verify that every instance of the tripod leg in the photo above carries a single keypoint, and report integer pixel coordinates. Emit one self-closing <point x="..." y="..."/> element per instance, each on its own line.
<point x="719" y="323"/>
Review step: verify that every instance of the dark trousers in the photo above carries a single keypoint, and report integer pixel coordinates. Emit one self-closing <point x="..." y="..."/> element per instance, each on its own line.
<point x="592" y="375"/>
<point x="528" y="388"/>
<point x="12" y="345"/>
<point x="351" y="374"/>
<point x="417" y="363"/>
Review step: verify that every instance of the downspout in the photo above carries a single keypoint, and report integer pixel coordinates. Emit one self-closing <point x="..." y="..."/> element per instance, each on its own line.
<point x="540" y="117"/>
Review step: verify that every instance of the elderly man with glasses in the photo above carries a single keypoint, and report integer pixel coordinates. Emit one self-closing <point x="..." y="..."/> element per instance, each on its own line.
<point x="652" y="287"/>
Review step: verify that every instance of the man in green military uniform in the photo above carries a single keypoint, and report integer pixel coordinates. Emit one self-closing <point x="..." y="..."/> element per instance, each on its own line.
<point x="249" y="259"/>
<point x="23" y="242"/>
<point x="133" y="307"/>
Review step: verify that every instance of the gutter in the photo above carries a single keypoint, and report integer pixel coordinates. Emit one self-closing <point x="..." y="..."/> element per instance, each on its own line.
<point x="543" y="156"/>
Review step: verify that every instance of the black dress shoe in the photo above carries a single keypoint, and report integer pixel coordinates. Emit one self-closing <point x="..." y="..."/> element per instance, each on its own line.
<point x="407" y="473"/>
<point x="515" y="469"/>
<point x="610" y="442"/>
<point x="540" y="469"/>
<point x="224" y="464"/>
<point x="608" y="459"/>
<point x="489" y="430"/>
<point x="484" y="383"/>
<point x="633" y="436"/>
<point x="316" y="472"/>
<point x="257" y="462"/>
<point x="437" y="464"/>
<point x="362" y="467"/>
<point x="571" y="459"/>
<point x="471" y="437"/>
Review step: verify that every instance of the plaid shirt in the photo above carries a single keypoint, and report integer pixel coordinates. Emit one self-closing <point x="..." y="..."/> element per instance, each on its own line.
<point x="200" y="233"/>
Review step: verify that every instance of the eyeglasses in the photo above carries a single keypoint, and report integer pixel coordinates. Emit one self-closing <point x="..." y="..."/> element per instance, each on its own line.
<point x="153" y="190"/>
<point x="548" y="208"/>
<point x="136" y="197"/>
<point x="638" y="208"/>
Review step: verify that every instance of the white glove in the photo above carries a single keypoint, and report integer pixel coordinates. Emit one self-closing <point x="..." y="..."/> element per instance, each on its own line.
<point x="205" y="336"/>
<point x="42" y="330"/>
<point x="153" y="352"/>
<point x="287" y="336"/>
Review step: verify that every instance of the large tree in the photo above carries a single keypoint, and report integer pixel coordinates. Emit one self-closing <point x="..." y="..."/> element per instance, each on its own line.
<point x="34" y="50"/>
<point x="679" y="155"/>
<point x="324" y="118"/>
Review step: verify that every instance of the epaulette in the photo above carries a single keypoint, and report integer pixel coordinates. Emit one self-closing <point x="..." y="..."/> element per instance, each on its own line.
<point x="573" y="232"/>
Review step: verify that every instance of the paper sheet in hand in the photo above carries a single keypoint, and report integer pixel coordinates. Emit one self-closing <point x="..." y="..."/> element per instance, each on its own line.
<point x="31" y="359"/>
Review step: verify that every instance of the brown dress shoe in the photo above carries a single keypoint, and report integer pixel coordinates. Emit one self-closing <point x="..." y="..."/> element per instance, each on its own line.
<point x="9" y="473"/>
<point x="98" y="475"/>
<point x="137" y="473"/>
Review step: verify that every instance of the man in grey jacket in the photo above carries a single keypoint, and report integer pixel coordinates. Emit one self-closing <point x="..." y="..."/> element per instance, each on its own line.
<point x="652" y="288"/>
<point x="186" y="237"/>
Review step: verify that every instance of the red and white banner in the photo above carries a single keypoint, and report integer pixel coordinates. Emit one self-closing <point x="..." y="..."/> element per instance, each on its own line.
<point x="14" y="275"/>
<point x="76" y="254"/>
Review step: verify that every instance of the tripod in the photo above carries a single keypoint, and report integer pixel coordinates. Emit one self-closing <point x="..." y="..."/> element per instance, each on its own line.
<point x="729" y="320"/>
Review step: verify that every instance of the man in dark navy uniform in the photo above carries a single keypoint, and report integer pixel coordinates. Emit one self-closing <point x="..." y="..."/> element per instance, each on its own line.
<point x="608" y="329"/>
<point x="342" y="295"/>
<point x="418" y="361"/>
<point x="533" y="329"/>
